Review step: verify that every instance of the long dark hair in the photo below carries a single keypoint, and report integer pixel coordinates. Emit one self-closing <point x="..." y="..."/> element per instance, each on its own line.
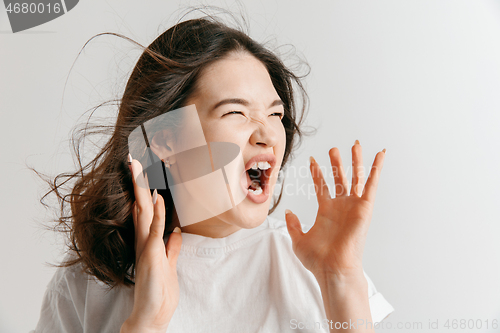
<point x="99" y="224"/>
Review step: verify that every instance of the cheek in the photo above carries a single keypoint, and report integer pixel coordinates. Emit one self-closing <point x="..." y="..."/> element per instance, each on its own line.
<point x="281" y="143"/>
<point x="218" y="132"/>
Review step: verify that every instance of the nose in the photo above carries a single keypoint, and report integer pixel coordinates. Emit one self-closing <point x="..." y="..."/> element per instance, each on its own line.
<point x="263" y="135"/>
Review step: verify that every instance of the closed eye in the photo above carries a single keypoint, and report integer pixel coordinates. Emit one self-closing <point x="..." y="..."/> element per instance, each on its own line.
<point x="233" y="112"/>
<point x="279" y="114"/>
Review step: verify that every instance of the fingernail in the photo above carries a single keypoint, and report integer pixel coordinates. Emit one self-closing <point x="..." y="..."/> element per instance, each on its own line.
<point x="311" y="159"/>
<point x="287" y="211"/>
<point x="383" y="150"/>
<point x="155" y="196"/>
<point x="177" y="230"/>
<point x="356" y="142"/>
<point x="129" y="157"/>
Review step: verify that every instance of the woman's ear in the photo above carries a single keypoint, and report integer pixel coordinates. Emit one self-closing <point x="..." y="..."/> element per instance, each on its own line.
<point x="162" y="146"/>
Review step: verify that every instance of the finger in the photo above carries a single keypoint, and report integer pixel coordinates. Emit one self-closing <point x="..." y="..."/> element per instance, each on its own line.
<point x="357" y="170"/>
<point x="339" y="177"/>
<point x="146" y="180"/>
<point x="144" y="206"/>
<point x="174" y="246"/>
<point x="320" y="186"/>
<point x="293" y="226"/>
<point x="134" y="218"/>
<point x="158" y="224"/>
<point x="372" y="182"/>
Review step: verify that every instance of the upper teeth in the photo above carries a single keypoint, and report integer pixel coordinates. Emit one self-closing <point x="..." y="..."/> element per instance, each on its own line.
<point x="261" y="165"/>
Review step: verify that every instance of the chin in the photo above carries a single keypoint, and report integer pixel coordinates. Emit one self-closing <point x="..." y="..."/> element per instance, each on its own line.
<point x="247" y="214"/>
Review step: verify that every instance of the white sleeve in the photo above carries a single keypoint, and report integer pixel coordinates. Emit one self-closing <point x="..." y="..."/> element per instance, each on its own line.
<point x="63" y="305"/>
<point x="58" y="315"/>
<point x="379" y="307"/>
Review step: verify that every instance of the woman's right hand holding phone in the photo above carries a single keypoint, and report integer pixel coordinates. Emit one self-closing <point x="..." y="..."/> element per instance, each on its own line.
<point x="156" y="292"/>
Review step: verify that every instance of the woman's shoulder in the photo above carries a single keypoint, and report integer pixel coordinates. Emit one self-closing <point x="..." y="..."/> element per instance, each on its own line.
<point x="72" y="282"/>
<point x="68" y="279"/>
<point x="277" y="243"/>
<point x="77" y="300"/>
<point x="64" y="300"/>
<point x="279" y="227"/>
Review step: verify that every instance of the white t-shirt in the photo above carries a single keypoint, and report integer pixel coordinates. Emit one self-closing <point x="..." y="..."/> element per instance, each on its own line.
<point x="249" y="281"/>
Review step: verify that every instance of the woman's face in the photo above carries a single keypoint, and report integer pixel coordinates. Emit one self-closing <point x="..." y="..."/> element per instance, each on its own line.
<point x="237" y="102"/>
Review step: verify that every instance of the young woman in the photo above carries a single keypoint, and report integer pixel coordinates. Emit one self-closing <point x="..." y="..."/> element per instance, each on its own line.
<point x="238" y="271"/>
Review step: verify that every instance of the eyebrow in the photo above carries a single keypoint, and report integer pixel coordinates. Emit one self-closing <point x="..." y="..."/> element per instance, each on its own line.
<point x="243" y="102"/>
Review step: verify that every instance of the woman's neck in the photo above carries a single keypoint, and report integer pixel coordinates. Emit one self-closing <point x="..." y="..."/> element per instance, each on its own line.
<point x="213" y="227"/>
<point x="211" y="230"/>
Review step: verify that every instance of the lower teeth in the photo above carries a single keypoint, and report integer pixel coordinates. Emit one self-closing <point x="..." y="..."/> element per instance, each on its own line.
<point x="257" y="191"/>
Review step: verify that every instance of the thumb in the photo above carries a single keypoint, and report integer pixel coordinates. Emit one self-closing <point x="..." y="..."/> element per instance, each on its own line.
<point x="293" y="225"/>
<point x="174" y="246"/>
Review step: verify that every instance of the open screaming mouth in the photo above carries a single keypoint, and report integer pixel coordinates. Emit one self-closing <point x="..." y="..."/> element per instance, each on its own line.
<point x="257" y="177"/>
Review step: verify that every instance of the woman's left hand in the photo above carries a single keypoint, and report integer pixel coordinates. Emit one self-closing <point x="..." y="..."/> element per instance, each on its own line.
<point x="334" y="245"/>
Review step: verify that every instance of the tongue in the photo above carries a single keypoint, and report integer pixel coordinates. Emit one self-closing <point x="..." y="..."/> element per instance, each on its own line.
<point x="255" y="185"/>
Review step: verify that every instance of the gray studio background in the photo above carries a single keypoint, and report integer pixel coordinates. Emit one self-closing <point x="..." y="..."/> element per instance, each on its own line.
<point x="419" y="78"/>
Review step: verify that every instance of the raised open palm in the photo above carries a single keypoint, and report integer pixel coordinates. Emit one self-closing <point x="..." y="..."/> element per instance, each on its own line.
<point x="335" y="243"/>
